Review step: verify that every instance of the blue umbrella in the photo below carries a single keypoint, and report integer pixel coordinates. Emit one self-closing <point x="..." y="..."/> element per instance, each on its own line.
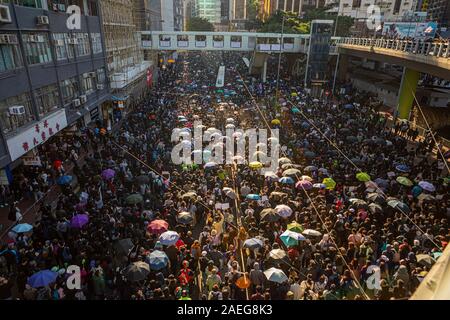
<point x="286" y="180"/>
<point x="349" y="106"/>
<point x="253" y="243"/>
<point x="402" y="168"/>
<point x="157" y="260"/>
<point x="305" y="125"/>
<point x="22" y="228"/>
<point x="64" y="180"/>
<point x="42" y="278"/>
<point x="416" y="191"/>
<point x="295" y="110"/>
<point x="253" y="196"/>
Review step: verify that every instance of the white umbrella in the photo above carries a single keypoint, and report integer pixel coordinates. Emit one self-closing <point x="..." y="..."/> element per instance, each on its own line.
<point x="210" y="164"/>
<point x="311" y="233"/>
<point x="169" y="238"/>
<point x="230" y="120"/>
<point x="283" y="210"/>
<point x="275" y="275"/>
<point x="229" y="126"/>
<point x="284" y="160"/>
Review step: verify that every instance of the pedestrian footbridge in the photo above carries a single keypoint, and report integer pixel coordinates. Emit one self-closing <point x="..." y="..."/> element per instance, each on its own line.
<point x="228" y="41"/>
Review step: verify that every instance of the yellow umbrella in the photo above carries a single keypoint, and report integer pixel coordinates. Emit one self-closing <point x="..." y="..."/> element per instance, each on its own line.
<point x="306" y="178"/>
<point x="255" y="165"/>
<point x="363" y="176"/>
<point x="329" y="183"/>
<point x="404" y="181"/>
<point x="295" y="227"/>
<point x="294" y="94"/>
<point x="276" y="122"/>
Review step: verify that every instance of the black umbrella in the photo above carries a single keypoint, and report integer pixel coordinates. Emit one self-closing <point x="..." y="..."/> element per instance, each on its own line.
<point x="269" y="215"/>
<point x="123" y="246"/>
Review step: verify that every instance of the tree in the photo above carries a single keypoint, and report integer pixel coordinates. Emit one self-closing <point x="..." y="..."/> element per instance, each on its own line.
<point x="199" y="24"/>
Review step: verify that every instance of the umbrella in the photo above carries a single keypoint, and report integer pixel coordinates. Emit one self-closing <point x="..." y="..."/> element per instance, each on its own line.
<point x="286" y="180"/>
<point x="185" y="217"/>
<point x="123" y="246"/>
<point x="283" y="210"/>
<point x="230" y="120"/>
<point x="270" y="175"/>
<point x="363" y="176"/>
<point x="295" y="227"/>
<point x="425" y="260"/>
<point x="253" y="196"/>
<point x="157" y="226"/>
<point x="319" y="186"/>
<point x="277" y="194"/>
<point x="311" y="233"/>
<point x="255" y="165"/>
<point x="349" y="106"/>
<point x="143" y="179"/>
<point x="375" y="208"/>
<point x="291" y="172"/>
<point x="108" y="174"/>
<point x="134" y="198"/>
<point x="253" y="243"/>
<point x="376" y="197"/>
<point x="295" y="110"/>
<point x="291" y="238"/>
<point x="275" y="275"/>
<point x="329" y="183"/>
<point x="22" y="228"/>
<point x="189" y="195"/>
<point x="284" y="160"/>
<point x="210" y="164"/>
<point x="137" y="271"/>
<point x="62" y="180"/>
<point x="310" y="168"/>
<point x="396" y="204"/>
<point x="307" y="178"/>
<point x="288" y="166"/>
<point x="426" y="196"/>
<point x="229" y="126"/>
<point x="304" y="184"/>
<point x="79" y="221"/>
<point x="402" y="168"/>
<point x="269" y="215"/>
<point x="229" y="193"/>
<point x="42" y="278"/>
<point x="305" y="125"/>
<point x="383" y="183"/>
<point x="358" y="203"/>
<point x="425" y="185"/>
<point x="157" y="260"/>
<point x="277" y="255"/>
<point x="404" y="181"/>
<point x="169" y="238"/>
<point x="275" y="122"/>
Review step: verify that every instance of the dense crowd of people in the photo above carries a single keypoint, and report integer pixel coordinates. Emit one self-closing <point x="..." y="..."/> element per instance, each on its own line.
<point x="349" y="193"/>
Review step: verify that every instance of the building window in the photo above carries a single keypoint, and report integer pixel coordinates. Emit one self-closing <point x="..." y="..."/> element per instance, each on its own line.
<point x="10" y="122"/>
<point x="9" y="52"/>
<point x="101" y="76"/>
<point x="37" y="48"/>
<point x="60" y="45"/>
<point x="83" y="47"/>
<point x="70" y="90"/>
<point x="96" y="43"/>
<point x="26" y="3"/>
<point x="47" y="99"/>
<point x="87" y="82"/>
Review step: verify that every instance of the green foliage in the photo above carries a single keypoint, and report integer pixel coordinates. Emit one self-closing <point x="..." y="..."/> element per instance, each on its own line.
<point x="199" y="24"/>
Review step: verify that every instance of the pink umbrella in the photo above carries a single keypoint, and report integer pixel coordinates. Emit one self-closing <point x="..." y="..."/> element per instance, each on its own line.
<point x="108" y="174"/>
<point x="79" y="221"/>
<point x="304" y="184"/>
<point x="158" y="226"/>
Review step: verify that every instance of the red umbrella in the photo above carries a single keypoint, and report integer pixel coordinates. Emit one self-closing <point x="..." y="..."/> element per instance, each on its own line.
<point x="57" y="164"/>
<point x="179" y="244"/>
<point x="158" y="226"/>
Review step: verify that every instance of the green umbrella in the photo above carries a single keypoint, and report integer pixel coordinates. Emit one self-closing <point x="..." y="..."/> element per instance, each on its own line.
<point x="363" y="177"/>
<point x="134" y="198"/>
<point x="404" y="181"/>
<point x="329" y="183"/>
<point x="295" y="227"/>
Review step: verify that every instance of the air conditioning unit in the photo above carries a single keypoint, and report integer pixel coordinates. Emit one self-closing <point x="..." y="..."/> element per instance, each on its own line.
<point x="100" y="86"/>
<point x="16" y="110"/>
<point x="76" y="102"/>
<point x="42" y="20"/>
<point x="8" y="39"/>
<point x="5" y="15"/>
<point x="83" y="99"/>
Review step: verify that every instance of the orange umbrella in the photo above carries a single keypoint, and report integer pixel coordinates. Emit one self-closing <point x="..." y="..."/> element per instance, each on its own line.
<point x="243" y="282"/>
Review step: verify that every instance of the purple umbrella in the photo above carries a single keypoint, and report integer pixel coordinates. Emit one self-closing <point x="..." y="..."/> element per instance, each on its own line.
<point x="108" y="174"/>
<point x="79" y="221"/>
<point x="304" y="184"/>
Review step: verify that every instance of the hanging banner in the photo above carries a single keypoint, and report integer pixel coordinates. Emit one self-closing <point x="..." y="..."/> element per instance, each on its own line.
<point x="31" y="159"/>
<point x="149" y="77"/>
<point x="29" y="139"/>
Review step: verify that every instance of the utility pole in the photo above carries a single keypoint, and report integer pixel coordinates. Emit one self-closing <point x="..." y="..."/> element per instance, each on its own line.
<point x="279" y="57"/>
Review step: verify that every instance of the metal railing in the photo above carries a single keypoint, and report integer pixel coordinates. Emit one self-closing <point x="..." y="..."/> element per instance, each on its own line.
<point x="415" y="46"/>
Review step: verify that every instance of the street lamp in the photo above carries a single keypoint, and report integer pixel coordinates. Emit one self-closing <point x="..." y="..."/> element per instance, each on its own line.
<point x="279" y="57"/>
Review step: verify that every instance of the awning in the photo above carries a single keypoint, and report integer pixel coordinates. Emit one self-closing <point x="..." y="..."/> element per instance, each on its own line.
<point x="119" y="98"/>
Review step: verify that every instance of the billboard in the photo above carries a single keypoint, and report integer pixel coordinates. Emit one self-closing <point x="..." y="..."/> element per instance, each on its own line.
<point x="418" y="30"/>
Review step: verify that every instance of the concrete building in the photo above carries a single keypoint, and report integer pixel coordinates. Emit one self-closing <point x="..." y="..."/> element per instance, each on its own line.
<point x="439" y="11"/>
<point x="125" y="61"/>
<point x="172" y="15"/>
<point x="208" y="9"/>
<point x="51" y="77"/>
